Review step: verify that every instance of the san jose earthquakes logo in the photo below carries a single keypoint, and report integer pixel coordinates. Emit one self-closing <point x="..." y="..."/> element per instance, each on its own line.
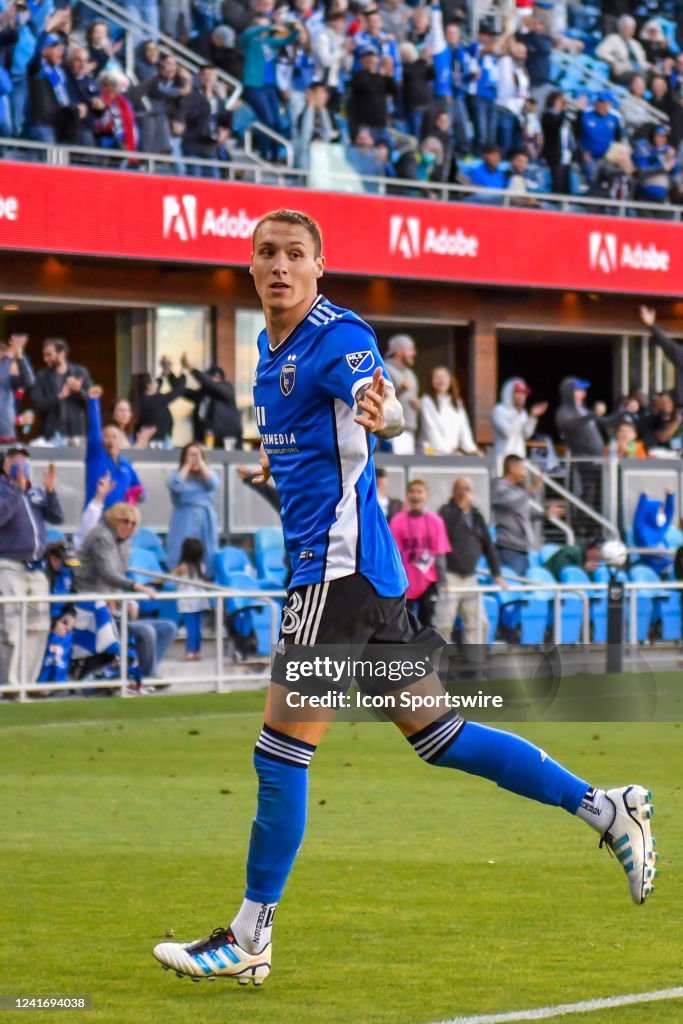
<point x="291" y="619"/>
<point x="361" y="362"/>
<point x="287" y="379"/>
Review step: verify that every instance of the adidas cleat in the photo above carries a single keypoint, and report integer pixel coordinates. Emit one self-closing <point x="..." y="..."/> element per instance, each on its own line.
<point x="218" y="956"/>
<point x="630" y="838"/>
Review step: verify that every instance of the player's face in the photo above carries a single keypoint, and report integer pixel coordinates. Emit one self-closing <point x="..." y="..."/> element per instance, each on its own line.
<point x="284" y="267"/>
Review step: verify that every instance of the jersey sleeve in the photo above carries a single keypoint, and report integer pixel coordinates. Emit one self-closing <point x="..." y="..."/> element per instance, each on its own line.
<point x="347" y="359"/>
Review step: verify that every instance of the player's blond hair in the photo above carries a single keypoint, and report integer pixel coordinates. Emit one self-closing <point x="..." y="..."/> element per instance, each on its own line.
<point x="293" y="217"/>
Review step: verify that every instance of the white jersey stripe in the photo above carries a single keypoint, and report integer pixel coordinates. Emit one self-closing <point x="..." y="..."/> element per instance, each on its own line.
<point x="321" y="608"/>
<point x="310" y="618"/>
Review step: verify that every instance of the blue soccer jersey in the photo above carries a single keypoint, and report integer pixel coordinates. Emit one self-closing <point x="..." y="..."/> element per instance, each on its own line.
<point x="321" y="460"/>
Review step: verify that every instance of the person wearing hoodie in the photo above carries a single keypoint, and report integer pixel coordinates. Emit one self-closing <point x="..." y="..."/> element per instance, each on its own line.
<point x="579" y="429"/>
<point x="513" y="424"/>
<point x="651" y="522"/>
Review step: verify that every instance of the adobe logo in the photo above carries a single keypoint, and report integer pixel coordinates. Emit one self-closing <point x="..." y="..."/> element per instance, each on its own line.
<point x="603" y="252"/>
<point x="180" y="217"/>
<point x="404" y="237"/>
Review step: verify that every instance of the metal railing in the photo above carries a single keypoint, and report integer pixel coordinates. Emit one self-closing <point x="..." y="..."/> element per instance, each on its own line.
<point x="291" y="177"/>
<point x="574" y="500"/>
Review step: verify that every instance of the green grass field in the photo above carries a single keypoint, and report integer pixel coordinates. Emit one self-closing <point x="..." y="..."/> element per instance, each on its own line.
<point x="420" y="894"/>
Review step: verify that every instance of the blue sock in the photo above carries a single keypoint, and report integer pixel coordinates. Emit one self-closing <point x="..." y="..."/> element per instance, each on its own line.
<point x="278" y="829"/>
<point x="508" y="760"/>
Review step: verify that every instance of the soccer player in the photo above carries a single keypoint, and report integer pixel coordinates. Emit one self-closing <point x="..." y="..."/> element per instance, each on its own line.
<point x="322" y="396"/>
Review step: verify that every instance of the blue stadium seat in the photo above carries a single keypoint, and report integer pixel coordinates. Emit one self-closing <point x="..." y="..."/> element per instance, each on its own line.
<point x="547" y="551"/>
<point x="674" y="537"/>
<point x="535" y="560"/>
<point x="537" y="610"/>
<point x="247" y="616"/>
<point x="269" y="552"/>
<point x="666" y="604"/>
<point x="148" y="540"/>
<point x="272" y="566"/>
<point x="228" y="560"/>
<point x="53" y="535"/>
<point x="492" y="609"/>
<point x="571" y="607"/>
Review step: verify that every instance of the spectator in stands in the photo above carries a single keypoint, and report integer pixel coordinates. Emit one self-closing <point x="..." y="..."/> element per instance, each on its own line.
<point x="330" y="49"/>
<point x="451" y="73"/>
<point x="368" y="159"/>
<point x="614" y="177"/>
<point x="419" y="29"/>
<point x="523" y="180"/>
<point x="671" y="349"/>
<point x="146" y="11"/>
<point x="513" y="425"/>
<point x="84" y="94"/>
<point x="259" y="44"/>
<point x="17" y="47"/>
<point x="368" y="105"/>
<point x="417" y="91"/>
<point x="558" y="142"/>
<point x="513" y="91"/>
<point x="114" y="126"/>
<point x="539" y="46"/>
<point x="514" y="515"/>
<point x="59" y="393"/>
<point x="92" y="513"/>
<point x="101" y="49"/>
<point x="598" y="127"/>
<point x="122" y="417"/>
<point x="651" y="523"/>
<point x="441" y="130"/>
<point x="52" y="116"/>
<point x="622" y="51"/>
<point x="656" y="163"/>
<point x="633" y="107"/>
<point x="176" y="19"/>
<point x="104" y="558"/>
<point x="422" y="542"/>
<point x="373" y="37"/>
<point x="488" y="174"/>
<point x="24" y="511"/>
<point x="661" y="98"/>
<point x="193" y="487"/>
<point x="662" y="428"/>
<point x="166" y="92"/>
<point x="627" y="444"/>
<point x="483" y="86"/>
<point x="581" y="556"/>
<point x="147" y="59"/>
<point x="577" y="425"/>
<point x="395" y="19"/>
<point x="218" y="47"/>
<point x="399" y="363"/>
<point x="295" y="70"/>
<point x="103" y="456"/>
<point x="216" y="416"/>
<point x="152" y="405"/>
<point x="444" y="424"/>
<point x="207" y="122"/>
<point x="316" y="124"/>
<point x="15" y="372"/>
<point x="470" y="540"/>
<point x="390" y="506"/>
<point x="655" y="43"/>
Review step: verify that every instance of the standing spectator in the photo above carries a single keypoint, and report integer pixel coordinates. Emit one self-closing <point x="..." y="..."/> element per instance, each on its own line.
<point x="663" y="425"/>
<point x="60" y="392"/>
<point x="166" y="92"/>
<point x="418" y="75"/>
<point x="146" y="11"/>
<point x="539" y="47"/>
<point x="114" y="124"/>
<point x="103" y="457"/>
<point x="399" y="362"/>
<point x="24" y="510"/>
<point x="483" y="86"/>
<point x="614" y="174"/>
<point x="598" y="127"/>
<point x="330" y="48"/>
<point x="190" y="569"/>
<point x="370" y="89"/>
<point x="147" y="59"/>
<point x="558" y="142"/>
<point x="444" y="424"/>
<point x="622" y="51"/>
<point x="661" y="98"/>
<point x="514" y="515"/>
<point x="395" y="18"/>
<point x="422" y="542"/>
<point x="152" y="405"/>
<point x="390" y="506"/>
<point x="218" y="48"/>
<point x="207" y="123"/>
<point x="193" y="488"/>
<point x="469" y="538"/>
<point x="373" y="37"/>
<point x="216" y="415"/>
<point x="176" y="19"/>
<point x="52" y="116"/>
<point x="18" y="42"/>
<point x="259" y="44"/>
<point x="101" y="49"/>
<point x="441" y="131"/>
<point x="451" y="69"/>
<point x="513" y="425"/>
<point x="579" y="428"/>
<point x="84" y="93"/>
<point x="656" y="164"/>
<point x="316" y="123"/>
<point x="513" y="92"/>
<point x="15" y="372"/>
<point x="671" y="349"/>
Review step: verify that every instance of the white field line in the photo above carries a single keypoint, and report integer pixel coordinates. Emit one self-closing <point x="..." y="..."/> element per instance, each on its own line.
<point x="565" y="1009"/>
<point x="109" y="721"/>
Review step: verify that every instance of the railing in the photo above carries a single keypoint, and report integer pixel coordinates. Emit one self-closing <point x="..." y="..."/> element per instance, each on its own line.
<point x="596" y="82"/>
<point x="576" y="502"/>
<point x="256" y="127"/>
<point x="219" y="678"/>
<point x="289" y="177"/>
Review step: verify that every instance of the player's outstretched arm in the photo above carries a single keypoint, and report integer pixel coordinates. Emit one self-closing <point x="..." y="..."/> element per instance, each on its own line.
<point x="379" y="411"/>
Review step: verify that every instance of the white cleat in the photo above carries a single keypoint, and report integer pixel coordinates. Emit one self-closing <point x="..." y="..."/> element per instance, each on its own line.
<point x="630" y="838"/>
<point x="217" y="956"/>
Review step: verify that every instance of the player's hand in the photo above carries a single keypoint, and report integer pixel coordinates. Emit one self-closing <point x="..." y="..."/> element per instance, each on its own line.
<point x="49" y="478"/>
<point x="371" y="405"/>
<point x="648" y="315"/>
<point x="262" y="475"/>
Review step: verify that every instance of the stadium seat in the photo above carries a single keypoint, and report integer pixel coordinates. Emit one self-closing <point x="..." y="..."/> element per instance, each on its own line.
<point x="272" y="566"/>
<point x="142" y="558"/>
<point x="598" y="605"/>
<point x="547" y="551"/>
<point x="572" y="605"/>
<point x="535" y="560"/>
<point x="269" y="537"/>
<point x="666" y="604"/>
<point x="674" y="537"/>
<point x="148" y="540"/>
<point x="537" y="610"/>
<point x="229" y="560"/>
<point x="249" y="620"/>
<point x="492" y="609"/>
<point x="53" y="535"/>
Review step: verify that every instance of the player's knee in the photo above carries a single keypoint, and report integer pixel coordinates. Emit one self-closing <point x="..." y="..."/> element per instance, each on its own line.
<point x="276" y="746"/>
<point x="431" y="742"/>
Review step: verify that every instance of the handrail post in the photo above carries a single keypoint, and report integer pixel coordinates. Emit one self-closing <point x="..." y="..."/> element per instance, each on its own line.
<point x="219" y="645"/>
<point x="123" y="656"/>
<point x="23" y="643"/>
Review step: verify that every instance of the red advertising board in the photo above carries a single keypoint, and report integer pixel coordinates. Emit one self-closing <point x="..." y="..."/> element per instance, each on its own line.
<point x="133" y="215"/>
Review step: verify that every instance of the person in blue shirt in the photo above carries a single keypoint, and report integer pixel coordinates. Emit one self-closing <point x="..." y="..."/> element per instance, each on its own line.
<point x="482" y="87"/>
<point x="452" y="71"/>
<point x="103" y="456"/>
<point x="656" y="163"/>
<point x="597" y="128"/>
<point x="373" y="37"/>
<point x="322" y="397"/>
<point x="488" y="174"/>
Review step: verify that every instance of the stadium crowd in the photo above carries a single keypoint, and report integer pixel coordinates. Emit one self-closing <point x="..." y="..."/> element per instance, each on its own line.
<point x="441" y="552"/>
<point x="387" y="89"/>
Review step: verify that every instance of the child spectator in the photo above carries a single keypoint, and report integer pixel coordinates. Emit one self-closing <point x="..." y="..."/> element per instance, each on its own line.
<point x="57" y="659"/>
<point x="190" y="568"/>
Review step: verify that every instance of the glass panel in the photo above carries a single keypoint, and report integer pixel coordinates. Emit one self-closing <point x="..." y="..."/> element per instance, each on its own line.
<point x="182" y="329"/>
<point x="248" y="325"/>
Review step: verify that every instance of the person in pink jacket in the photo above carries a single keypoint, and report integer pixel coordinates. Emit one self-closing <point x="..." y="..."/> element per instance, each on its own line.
<point x="422" y="541"/>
